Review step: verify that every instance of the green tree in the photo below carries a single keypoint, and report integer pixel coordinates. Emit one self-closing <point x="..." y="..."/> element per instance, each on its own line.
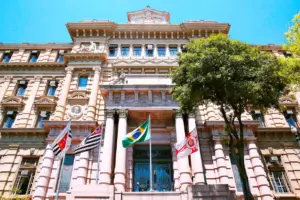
<point x="293" y="36"/>
<point x="232" y="75"/>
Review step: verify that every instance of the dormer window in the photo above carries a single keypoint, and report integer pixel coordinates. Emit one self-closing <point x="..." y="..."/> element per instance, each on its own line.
<point x="257" y="115"/>
<point x="149" y="50"/>
<point x="290" y="118"/>
<point x="52" y="86"/>
<point x="22" y="85"/>
<point x="6" y="56"/>
<point x="83" y="80"/>
<point x="34" y="56"/>
<point x="161" y="51"/>
<point x="113" y="50"/>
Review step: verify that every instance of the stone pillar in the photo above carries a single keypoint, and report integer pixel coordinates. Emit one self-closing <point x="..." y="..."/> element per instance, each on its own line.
<point x="120" y="168"/>
<point x="93" y="96"/>
<point x="108" y="147"/>
<point x="27" y="109"/>
<point x="4" y="87"/>
<point x="44" y="176"/>
<point x="155" y="51"/>
<point x="119" y="50"/>
<point x="220" y="161"/>
<point x="183" y="163"/>
<point x="131" y="50"/>
<point x="83" y="167"/>
<point x="179" y="48"/>
<point x="143" y="51"/>
<point x="61" y="104"/>
<point x="259" y="172"/>
<point x="196" y="159"/>
<point x="167" y="50"/>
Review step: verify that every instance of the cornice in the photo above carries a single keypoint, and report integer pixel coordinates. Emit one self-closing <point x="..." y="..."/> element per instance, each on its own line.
<point x="75" y="124"/>
<point x="30" y="65"/>
<point x="22" y="130"/>
<point x="274" y="129"/>
<point x="35" y="46"/>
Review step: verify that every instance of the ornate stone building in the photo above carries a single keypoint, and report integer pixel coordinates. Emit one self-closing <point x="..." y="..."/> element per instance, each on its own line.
<point x="116" y="74"/>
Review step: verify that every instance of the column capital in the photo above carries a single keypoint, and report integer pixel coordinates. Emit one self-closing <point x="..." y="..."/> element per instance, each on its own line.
<point x="178" y="113"/>
<point x="110" y="113"/>
<point x="192" y="115"/>
<point x="97" y="69"/>
<point x="8" y="78"/>
<point x="69" y="70"/>
<point x="122" y="113"/>
<point x="37" y="78"/>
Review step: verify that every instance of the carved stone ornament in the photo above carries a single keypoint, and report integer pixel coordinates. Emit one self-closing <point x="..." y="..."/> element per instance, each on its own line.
<point x="178" y="114"/>
<point x="122" y="113"/>
<point x="15" y="102"/>
<point x="148" y="16"/>
<point x="45" y="102"/>
<point x="78" y="97"/>
<point x="89" y="49"/>
<point x="288" y="101"/>
<point x="76" y="111"/>
<point x="110" y="113"/>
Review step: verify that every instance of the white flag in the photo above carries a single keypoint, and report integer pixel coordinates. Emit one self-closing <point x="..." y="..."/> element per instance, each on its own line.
<point x="188" y="146"/>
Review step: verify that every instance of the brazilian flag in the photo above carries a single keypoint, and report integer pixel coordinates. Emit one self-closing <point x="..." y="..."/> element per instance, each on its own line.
<point x="140" y="134"/>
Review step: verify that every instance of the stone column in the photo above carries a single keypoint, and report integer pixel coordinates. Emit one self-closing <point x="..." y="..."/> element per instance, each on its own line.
<point x="143" y="50"/>
<point x="155" y="51"/>
<point x="83" y="167"/>
<point x="196" y="159"/>
<point x="4" y="87"/>
<point x="29" y="103"/>
<point x="183" y="163"/>
<point x="108" y="147"/>
<point x="131" y="50"/>
<point x="259" y="172"/>
<point x="120" y="168"/>
<point x="220" y="160"/>
<point x="93" y="96"/>
<point x="61" y="104"/>
<point x="167" y="50"/>
<point x="44" y="176"/>
<point x="178" y="48"/>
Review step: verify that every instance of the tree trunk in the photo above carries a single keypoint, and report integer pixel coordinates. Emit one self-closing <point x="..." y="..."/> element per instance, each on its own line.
<point x="241" y="162"/>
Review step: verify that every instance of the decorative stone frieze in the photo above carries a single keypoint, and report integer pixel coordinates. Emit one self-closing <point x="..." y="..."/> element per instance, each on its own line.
<point x="45" y="102"/>
<point x="78" y="97"/>
<point x="76" y="111"/>
<point x="122" y="113"/>
<point x="12" y="102"/>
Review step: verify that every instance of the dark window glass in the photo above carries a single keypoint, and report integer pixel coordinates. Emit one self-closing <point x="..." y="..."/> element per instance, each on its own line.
<point x="173" y="51"/>
<point x="9" y="119"/>
<point x="66" y="173"/>
<point x="60" y="58"/>
<point x="236" y="173"/>
<point x="34" y="56"/>
<point x="21" y="88"/>
<point x="113" y="50"/>
<point x="6" y="57"/>
<point x="137" y="51"/>
<point x="290" y="118"/>
<point x="83" y="80"/>
<point x="257" y="115"/>
<point x="279" y="181"/>
<point x="52" y="86"/>
<point x="43" y="116"/>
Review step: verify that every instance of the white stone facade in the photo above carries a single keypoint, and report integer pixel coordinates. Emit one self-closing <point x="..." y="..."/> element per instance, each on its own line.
<point x="116" y="74"/>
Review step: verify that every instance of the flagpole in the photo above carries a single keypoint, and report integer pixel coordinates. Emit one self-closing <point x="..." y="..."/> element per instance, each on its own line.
<point x="61" y="166"/>
<point x="150" y="155"/>
<point x="99" y="155"/>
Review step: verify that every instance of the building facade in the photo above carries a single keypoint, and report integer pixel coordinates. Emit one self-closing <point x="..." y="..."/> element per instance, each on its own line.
<point x="116" y="74"/>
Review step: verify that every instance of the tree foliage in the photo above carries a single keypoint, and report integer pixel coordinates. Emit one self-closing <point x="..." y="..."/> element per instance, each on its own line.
<point x="293" y="36"/>
<point x="232" y="75"/>
<point x="291" y="70"/>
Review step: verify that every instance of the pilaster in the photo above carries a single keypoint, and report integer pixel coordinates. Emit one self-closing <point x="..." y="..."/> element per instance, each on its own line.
<point x="93" y="96"/>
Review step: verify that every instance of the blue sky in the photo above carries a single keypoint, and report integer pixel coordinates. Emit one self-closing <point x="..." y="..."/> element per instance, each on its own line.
<point x="252" y="21"/>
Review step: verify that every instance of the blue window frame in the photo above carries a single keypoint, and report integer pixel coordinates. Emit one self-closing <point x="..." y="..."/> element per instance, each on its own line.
<point x="67" y="169"/>
<point x="83" y="80"/>
<point x="161" y="51"/>
<point x="10" y="119"/>
<point x="173" y="51"/>
<point x="60" y="58"/>
<point x="33" y="56"/>
<point x="21" y="88"/>
<point x="52" y="86"/>
<point x="137" y="51"/>
<point x="113" y="50"/>
<point x="162" y="175"/>
<point x="236" y="173"/>
<point x="6" y="57"/>
<point x="43" y="116"/>
<point x="125" y="51"/>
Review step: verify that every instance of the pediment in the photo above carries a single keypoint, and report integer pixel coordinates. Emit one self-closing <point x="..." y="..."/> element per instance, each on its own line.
<point x="45" y="102"/>
<point x="288" y="101"/>
<point x="78" y="97"/>
<point x="148" y="16"/>
<point x="146" y="62"/>
<point x="13" y="101"/>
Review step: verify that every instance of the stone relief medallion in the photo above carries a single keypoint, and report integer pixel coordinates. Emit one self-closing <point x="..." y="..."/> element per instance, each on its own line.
<point x="76" y="111"/>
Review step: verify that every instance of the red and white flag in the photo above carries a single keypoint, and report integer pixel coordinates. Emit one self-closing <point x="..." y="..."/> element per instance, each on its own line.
<point x="63" y="142"/>
<point x="188" y="146"/>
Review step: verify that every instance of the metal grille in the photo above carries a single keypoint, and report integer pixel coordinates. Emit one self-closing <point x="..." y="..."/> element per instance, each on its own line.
<point x="280" y="182"/>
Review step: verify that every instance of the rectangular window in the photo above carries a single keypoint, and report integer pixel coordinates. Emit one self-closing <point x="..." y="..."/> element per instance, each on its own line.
<point x="9" y="119"/>
<point x="162" y="168"/>
<point x="113" y="50"/>
<point x="60" y="58"/>
<point x="149" y="50"/>
<point x="161" y="51"/>
<point x="43" y="116"/>
<point x="257" y="115"/>
<point x="236" y="173"/>
<point x="34" y="56"/>
<point x="125" y="51"/>
<point x="25" y="176"/>
<point x="22" y="85"/>
<point x="6" y="56"/>
<point x="290" y="118"/>
<point x="183" y="48"/>
<point x="173" y="51"/>
<point x="287" y="54"/>
<point x="137" y="51"/>
<point x="52" y="86"/>
<point x="66" y="173"/>
<point x="83" y="80"/>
